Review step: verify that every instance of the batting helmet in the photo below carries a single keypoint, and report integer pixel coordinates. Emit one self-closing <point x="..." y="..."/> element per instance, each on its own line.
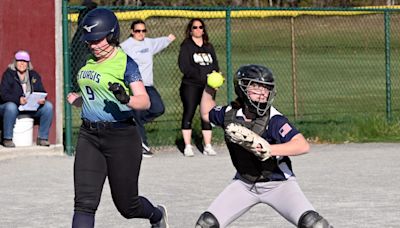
<point x="100" y="23"/>
<point x="248" y="74"/>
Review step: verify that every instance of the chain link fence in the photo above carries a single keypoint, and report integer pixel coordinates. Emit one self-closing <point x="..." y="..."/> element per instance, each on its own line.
<point x="329" y="64"/>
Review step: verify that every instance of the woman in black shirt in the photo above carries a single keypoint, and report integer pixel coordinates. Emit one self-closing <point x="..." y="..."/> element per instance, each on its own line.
<point x="197" y="58"/>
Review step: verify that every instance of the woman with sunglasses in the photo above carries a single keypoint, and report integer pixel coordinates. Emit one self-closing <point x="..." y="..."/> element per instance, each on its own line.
<point x="197" y="58"/>
<point x="142" y="49"/>
<point x="109" y="143"/>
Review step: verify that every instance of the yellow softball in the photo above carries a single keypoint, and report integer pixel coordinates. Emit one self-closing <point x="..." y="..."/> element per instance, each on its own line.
<point x="215" y="79"/>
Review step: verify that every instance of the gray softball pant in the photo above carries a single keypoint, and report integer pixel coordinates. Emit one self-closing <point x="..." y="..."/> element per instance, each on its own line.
<point x="238" y="197"/>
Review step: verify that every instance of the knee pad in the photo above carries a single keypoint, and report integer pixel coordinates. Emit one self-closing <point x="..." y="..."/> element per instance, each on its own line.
<point x="311" y="219"/>
<point x="207" y="220"/>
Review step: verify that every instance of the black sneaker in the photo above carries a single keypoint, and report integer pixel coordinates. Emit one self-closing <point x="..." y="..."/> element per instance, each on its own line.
<point x="8" y="143"/>
<point x="146" y="151"/>
<point x="163" y="223"/>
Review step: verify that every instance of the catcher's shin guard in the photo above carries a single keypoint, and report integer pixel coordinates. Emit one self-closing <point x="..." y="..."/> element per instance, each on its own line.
<point x="311" y="219"/>
<point x="207" y="220"/>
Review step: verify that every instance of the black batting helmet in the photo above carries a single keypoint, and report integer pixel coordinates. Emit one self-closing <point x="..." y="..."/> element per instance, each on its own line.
<point x="253" y="73"/>
<point x="100" y="23"/>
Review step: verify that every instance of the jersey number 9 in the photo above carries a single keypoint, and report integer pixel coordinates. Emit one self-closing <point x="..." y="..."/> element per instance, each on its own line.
<point x="90" y="93"/>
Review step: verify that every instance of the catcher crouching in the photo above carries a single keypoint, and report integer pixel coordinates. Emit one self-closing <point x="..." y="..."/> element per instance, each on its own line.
<point x="260" y="140"/>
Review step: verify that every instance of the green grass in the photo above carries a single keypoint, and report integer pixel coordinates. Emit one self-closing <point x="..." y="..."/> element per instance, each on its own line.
<point x="350" y="129"/>
<point x="340" y="74"/>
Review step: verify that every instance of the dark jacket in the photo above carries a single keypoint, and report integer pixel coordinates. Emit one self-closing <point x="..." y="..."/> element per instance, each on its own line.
<point x="196" y="62"/>
<point x="11" y="89"/>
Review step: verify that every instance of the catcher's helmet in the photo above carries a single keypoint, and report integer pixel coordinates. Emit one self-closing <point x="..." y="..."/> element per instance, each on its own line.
<point x="100" y="23"/>
<point x="248" y="74"/>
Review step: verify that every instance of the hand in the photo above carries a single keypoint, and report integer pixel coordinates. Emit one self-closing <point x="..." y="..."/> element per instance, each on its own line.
<point x="41" y="101"/>
<point x="23" y="100"/>
<point x="119" y="92"/>
<point x="75" y="99"/>
<point x="71" y="97"/>
<point x="171" y="37"/>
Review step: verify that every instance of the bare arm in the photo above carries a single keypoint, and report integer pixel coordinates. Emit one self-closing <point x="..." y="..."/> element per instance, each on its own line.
<point x="140" y="100"/>
<point x="207" y="103"/>
<point x="296" y="146"/>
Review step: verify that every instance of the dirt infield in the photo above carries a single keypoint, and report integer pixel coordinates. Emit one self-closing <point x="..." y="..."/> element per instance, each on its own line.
<point x="352" y="185"/>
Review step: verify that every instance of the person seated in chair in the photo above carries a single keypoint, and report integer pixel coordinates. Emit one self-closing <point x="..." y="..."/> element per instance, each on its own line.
<point x="18" y="82"/>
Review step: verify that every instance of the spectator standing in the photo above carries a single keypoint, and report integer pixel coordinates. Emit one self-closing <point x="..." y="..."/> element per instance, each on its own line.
<point x="18" y="82"/>
<point x="142" y="49"/>
<point x="197" y="58"/>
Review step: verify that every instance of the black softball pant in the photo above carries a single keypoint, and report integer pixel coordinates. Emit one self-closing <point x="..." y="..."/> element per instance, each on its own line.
<point x="191" y="97"/>
<point x="115" y="153"/>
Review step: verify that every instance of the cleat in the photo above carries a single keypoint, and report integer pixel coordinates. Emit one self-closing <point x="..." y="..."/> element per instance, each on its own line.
<point x="163" y="223"/>
<point x="146" y="151"/>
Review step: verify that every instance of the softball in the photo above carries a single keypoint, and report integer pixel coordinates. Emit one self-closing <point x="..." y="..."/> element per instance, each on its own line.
<point x="215" y="79"/>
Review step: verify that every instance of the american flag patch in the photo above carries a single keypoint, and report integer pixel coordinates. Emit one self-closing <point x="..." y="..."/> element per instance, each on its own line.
<point x="218" y="108"/>
<point x="285" y="129"/>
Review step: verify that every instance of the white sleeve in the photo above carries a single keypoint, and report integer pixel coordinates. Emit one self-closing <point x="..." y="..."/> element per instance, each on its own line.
<point x="158" y="44"/>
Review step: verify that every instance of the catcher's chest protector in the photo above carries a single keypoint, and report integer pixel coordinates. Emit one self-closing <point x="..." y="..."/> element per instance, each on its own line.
<point x="260" y="169"/>
<point x="259" y="125"/>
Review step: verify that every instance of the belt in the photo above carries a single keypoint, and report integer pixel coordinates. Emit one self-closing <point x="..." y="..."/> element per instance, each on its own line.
<point x="247" y="178"/>
<point x="107" y="124"/>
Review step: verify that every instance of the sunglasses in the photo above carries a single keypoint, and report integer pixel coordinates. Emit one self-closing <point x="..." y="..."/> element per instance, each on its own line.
<point x="197" y="27"/>
<point x="139" y="31"/>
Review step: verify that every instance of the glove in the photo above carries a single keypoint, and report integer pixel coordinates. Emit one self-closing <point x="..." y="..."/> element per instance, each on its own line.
<point x="249" y="140"/>
<point x="119" y="92"/>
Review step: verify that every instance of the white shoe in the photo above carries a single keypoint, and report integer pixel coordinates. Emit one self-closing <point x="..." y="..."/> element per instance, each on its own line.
<point x="209" y="150"/>
<point x="188" y="151"/>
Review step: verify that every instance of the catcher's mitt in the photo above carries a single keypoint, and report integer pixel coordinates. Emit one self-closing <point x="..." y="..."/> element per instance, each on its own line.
<point x="249" y="140"/>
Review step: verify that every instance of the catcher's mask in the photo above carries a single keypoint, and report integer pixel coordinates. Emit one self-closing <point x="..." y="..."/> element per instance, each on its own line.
<point x="249" y="74"/>
<point x="100" y="23"/>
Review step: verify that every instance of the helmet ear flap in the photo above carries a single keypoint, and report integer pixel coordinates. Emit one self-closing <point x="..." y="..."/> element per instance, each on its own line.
<point x="109" y="38"/>
<point x="112" y="39"/>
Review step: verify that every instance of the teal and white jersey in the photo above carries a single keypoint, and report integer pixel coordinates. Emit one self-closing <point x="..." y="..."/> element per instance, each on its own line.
<point x="100" y="104"/>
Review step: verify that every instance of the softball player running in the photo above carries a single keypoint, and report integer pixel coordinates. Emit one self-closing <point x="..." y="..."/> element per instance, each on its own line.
<point x="109" y="144"/>
<point x="259" y="140"/>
